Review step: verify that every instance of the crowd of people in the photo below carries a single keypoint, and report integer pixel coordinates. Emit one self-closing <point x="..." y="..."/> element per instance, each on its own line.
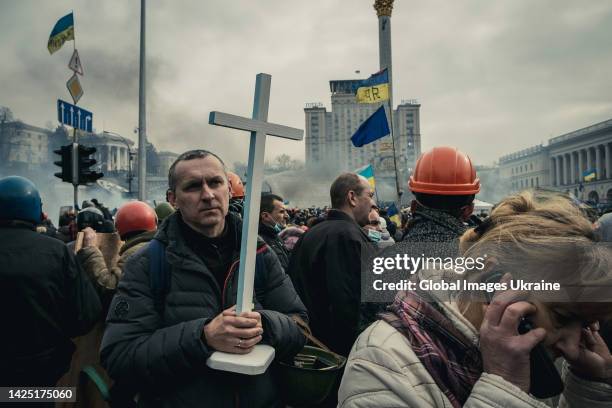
<point x="156" y="291"/>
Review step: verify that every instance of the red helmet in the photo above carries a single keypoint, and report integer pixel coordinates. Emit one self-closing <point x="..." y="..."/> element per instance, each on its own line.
<point x="135" y="216"/>
<point x="236" y="185"/>
<point x="444" y="171"/>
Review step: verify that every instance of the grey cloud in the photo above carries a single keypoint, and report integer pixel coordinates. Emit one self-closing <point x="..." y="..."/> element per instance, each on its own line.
<point x="492" y="77"/>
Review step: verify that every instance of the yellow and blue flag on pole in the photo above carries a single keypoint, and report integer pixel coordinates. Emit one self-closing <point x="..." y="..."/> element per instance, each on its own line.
<point x="62" y="31"/>
<point x="368" y="173"/>
<point x="374" y="89"/>
<point x="373" y="128"/>
<point x="393" y="214"/>
<point x="589" y="175"/>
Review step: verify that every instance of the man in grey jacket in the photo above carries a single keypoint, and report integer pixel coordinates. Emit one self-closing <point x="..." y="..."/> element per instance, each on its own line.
<point x="162" y="353"/>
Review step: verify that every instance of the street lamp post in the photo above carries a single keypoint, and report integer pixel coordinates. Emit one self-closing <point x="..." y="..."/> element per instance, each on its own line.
<point x="131" y="154"/>
<point x="129" y="175"/>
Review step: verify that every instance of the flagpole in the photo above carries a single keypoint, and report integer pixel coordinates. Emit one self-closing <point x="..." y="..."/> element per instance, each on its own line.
<point x="75" y="138"/>
<point x="374" y="176"/>
<point x="142" y="112"/>
<point x="73" y="32"/>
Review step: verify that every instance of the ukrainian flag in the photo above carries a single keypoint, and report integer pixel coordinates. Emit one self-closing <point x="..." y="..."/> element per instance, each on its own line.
<point x="62" y="32"/>
<point x="374" y="89"/>
<point x="589" y="175"/>
<point x="368" y="173"/>
<point x="393" y="214"/>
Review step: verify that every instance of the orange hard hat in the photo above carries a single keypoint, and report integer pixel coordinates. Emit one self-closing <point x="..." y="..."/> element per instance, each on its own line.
<point x="135" y="216"/>
<point x="444" y="171"/>
<point x="236" y="185"/>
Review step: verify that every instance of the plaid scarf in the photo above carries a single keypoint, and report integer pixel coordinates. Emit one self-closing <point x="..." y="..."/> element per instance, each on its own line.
<point x="451" y="359"/>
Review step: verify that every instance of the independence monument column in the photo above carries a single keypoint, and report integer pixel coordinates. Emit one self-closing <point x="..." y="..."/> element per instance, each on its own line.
<point x="383" y="10"/>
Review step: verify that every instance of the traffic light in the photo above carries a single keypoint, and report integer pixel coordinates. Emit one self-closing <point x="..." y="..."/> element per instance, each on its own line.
<point x="86" y="175"/>
<point x="65" y="163"/>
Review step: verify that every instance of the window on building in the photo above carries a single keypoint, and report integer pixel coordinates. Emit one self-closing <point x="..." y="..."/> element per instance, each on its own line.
<point x="531" y="182"/>
<point x="537" y="182"/>
<point x="530" y="166"/>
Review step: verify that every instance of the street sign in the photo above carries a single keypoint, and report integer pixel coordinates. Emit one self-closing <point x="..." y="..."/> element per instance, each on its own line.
<point x="74" y="87"/>
<point x="75" y="63"/>
<point x="71" y="115"/>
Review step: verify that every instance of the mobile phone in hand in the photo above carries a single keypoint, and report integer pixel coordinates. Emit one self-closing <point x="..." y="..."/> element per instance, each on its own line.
<point x="545" y="381"/>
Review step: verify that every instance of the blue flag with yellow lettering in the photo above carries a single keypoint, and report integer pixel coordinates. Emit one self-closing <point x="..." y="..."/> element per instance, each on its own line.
<point x="374" y="89"/>
<point x="374" y="127"/>
<point x="62" y="31"/>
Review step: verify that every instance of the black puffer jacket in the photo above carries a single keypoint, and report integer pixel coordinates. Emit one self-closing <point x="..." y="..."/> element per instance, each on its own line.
<point x="45" y="300"/>
<point x="278" y="246"/>
<point x="164" y="356"/>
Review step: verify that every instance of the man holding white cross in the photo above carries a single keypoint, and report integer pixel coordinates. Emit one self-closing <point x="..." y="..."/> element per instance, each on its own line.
<point x="163" y="353"/>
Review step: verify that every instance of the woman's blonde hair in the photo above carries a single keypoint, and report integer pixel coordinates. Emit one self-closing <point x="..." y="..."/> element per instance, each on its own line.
<point x="542" y="235"/>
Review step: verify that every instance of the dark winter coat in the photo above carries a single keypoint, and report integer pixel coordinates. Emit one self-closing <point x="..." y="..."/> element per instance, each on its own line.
<point x="430" y="233"/>
<point x="164" y="356"/>
<point x="326" y="270"/>
<point x="271" y="238"/>
<point x="45" y="300"/>
<point x="432" y="226"/>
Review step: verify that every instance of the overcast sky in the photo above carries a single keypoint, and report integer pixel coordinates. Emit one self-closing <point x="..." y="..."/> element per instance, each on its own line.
<point x="492" y="76"/>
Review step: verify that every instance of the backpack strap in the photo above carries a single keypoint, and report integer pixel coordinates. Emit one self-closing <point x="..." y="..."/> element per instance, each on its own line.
<point x="159" y="274"/>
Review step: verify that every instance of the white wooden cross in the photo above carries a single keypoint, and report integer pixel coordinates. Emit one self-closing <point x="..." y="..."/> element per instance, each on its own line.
<point x="259" y="128"/>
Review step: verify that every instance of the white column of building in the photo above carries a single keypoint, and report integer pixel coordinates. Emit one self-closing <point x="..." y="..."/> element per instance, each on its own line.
<point x="116" y="157"/>
<point x="109" y="158"/>
<point x="608" y="161"/>
<point x="598" y="162"/>
<point x="580" y="165"/>
<point x="559" y="174"/>
<point x="566" y="173"/>
<point x="117" y="163"/>
<point x="572" y="169"/>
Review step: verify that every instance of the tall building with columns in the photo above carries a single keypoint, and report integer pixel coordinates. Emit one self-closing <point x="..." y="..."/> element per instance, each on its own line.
<point x="328" y="134"/>
<point x="564" y="163"/>
<point x="113" y="151"/>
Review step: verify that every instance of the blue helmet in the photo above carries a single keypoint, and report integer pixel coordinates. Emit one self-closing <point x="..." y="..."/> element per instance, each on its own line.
<point x="19" y="200"/>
